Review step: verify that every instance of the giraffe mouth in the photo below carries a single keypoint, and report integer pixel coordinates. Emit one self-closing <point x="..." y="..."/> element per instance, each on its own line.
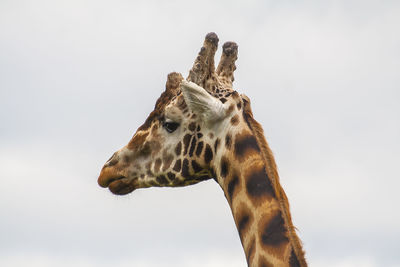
<point x="117" y="184"/>
<point x="122" y="185"/>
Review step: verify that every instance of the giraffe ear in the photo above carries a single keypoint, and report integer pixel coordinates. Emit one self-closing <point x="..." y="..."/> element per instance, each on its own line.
<point x="201" y="102"/>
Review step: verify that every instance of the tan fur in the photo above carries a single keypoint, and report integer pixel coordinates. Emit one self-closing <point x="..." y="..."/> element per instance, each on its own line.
<point x="274" y="176"/>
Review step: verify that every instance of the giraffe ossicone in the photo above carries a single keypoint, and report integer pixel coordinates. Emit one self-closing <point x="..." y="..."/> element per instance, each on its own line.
<point x="199" y="129"/>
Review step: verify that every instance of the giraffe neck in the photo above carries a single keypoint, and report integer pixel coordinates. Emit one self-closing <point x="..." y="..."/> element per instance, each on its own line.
<point x="258" y="203"/>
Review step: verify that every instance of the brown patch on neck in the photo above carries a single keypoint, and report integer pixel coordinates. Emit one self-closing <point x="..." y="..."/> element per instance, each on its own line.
<point x="274" y="235"/>
<point x="244" y="220"/>
<point x="245" y="145"/>
<point x="272" y="173"/>
<point x="258" y="186"/>
<point x="232" y="185"/>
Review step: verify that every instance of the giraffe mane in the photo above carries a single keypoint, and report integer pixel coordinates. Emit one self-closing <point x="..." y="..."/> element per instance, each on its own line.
<point x="272" y="173"/>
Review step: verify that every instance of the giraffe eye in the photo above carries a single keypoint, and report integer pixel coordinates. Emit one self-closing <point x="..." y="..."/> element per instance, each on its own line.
<point x="170" y="126"/>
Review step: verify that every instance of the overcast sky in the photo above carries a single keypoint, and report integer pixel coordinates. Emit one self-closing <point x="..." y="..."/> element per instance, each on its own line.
<point x="78" y="77"/>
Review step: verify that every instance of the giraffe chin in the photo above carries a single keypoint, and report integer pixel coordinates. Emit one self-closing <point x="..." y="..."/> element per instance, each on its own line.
<point x="122" y="186"/>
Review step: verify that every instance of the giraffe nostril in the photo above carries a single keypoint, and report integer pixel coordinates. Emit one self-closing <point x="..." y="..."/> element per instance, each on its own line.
<point x="111" y="157"/>
<point x="112" y="160"/>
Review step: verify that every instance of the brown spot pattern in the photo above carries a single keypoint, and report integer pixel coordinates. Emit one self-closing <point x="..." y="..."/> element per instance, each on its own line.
<point x="243" y="224"/>
<point x="162" y="180"/>
<point x="233" y="183"/>
<point x="235" y="120"/>
<point x="177" y="166"/>
<point x="192" y="126"/>
<point x="216" y="144"/>
<point x="171" y="176"/>
<point x="199" y="148"/>
<point x="178" y="148"/>
<point x="192" y="146"/>
<point x="231" y="107"/>
<point x="186" y="142"/>
<point x="274" y="232"/>
<point x="224" y="167"/>
<point x="196" y="167"/>
<point x="208" y="154"/>
<point x="258" y="184"/>
<point x="245" y="144"/>
<point x="228" y="141"/>
<point x="185" y="168"/>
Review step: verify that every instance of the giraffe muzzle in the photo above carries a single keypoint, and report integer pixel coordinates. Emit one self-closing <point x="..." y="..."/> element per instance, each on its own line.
<point x="107" y="176"/>
<point x="118" y="184"/>
<point x="109" y="173"/>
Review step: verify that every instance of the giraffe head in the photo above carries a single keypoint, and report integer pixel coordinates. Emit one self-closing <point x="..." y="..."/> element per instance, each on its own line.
<point x="178" y="143"/>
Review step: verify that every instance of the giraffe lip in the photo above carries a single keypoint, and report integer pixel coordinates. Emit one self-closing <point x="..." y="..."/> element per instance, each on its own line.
<point x="111" y="180"/>
<point x="107" y="177"/>
<point x="122" y="185"/>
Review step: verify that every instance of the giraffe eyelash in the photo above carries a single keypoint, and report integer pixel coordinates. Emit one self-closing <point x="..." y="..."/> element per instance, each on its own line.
<point x="169" y="125"/>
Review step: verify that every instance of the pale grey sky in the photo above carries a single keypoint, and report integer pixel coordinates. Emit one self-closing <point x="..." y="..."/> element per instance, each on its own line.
<point x="78" y="77"/>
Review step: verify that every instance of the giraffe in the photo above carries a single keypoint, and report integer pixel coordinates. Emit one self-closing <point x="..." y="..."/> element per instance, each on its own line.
<point x="200" y="129"/>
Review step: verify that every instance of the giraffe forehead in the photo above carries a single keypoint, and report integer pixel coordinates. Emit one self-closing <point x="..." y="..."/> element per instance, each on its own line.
<point x="173" y="112"/>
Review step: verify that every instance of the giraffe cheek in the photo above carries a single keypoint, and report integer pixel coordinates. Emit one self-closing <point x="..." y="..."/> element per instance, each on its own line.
<point x="155" y="147"/>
